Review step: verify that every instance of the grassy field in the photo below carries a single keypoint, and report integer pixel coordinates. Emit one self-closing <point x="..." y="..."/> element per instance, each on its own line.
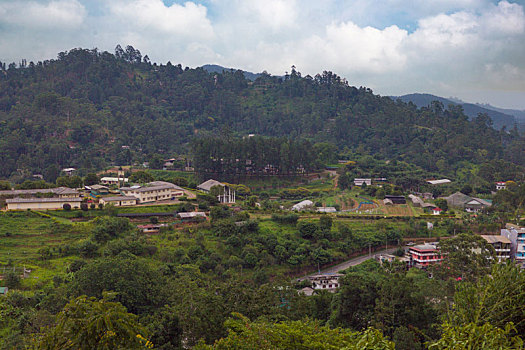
<point x="24" y="234"/>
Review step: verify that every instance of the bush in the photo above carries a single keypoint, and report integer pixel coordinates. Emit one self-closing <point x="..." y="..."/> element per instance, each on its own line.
<point x="285" y="218"/>
<point x="92" y="206"/>
<point x="66" y="206"/>
<point x="12" y="280"/>
<point x="307" y="229"/>
<point x="84" y="207"/>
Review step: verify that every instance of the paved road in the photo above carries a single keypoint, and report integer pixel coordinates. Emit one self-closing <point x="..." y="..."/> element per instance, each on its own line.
<point x="352" y="262"/>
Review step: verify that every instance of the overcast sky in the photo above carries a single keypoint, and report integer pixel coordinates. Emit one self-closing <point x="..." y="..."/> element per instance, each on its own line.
<point x="470" y="49"/>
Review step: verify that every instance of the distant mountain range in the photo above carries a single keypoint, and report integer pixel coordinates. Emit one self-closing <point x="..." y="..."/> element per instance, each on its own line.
<point x="500" y="117"/>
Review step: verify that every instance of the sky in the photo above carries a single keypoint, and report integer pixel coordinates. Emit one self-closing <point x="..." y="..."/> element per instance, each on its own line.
<point x="469" y="49"/>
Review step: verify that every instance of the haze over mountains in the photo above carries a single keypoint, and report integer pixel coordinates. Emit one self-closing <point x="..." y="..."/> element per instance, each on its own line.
<point x="500" y="117"/>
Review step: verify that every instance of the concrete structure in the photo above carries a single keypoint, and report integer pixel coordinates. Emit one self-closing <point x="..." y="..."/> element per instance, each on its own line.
<point x="153" y="191"/>
<point x="423" y="255"/>
<point x="107" y="180"/>
<point x="329" y="282"/>
<point x="60" y="192"/>
<point x="118" y="201"/>
<point x="439" y="182"/>
<point x="501" y="244"/>
<point x="228" y="194"/>
<point x="192" y="215"/>
<point x="360" y="182"/>
<point x="516" y="235"/>
<point x="302" y="205"/>
<point x="151" y="228"/>
<point x="326" y="210"/>
<point x="42" y="203"/>
<point x="69" y="171"/>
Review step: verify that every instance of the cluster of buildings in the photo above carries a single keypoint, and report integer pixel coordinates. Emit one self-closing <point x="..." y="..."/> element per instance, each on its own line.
<point x="468" y="203"/>
<point x="57" y="198"/>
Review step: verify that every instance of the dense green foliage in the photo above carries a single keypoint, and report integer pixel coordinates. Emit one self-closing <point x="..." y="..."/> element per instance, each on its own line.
<point x="89" y="108"/>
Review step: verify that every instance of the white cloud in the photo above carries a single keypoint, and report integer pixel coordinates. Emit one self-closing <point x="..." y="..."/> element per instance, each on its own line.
<point x="505" y="19"/>
<point x="189" y="19"/>
<point x="51" y="15"/>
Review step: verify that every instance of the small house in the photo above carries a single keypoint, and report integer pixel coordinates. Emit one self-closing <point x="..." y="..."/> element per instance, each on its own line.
<point x="436" y="211"/>
<point x="4" y="290"/>
<point x="501" y="185"/>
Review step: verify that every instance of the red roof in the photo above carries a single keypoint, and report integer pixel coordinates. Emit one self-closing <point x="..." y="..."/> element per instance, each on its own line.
<point x="437" y="209"/>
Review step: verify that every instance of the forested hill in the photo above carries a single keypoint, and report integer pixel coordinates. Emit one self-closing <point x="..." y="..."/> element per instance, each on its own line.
<point x="499" y="118"/>
<point x="88" y="108"/>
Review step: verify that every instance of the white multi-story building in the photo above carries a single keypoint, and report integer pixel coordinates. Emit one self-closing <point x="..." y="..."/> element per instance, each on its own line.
<point x="516" y="235"/>
<point x="153" y="191"/>
<point x="329" y="282"/>
<point x="501" y="244"/>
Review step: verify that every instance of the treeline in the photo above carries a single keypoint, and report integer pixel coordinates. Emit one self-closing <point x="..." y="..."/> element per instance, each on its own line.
<point x="88" y="108"/>
<point x="229" y="158"/>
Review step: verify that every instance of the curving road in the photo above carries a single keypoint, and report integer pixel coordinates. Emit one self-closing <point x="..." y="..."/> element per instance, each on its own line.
<point x="349" y="263"/>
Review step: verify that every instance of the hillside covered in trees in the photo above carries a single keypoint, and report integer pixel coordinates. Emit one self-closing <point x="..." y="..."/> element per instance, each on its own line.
<point x="89" y="109"/>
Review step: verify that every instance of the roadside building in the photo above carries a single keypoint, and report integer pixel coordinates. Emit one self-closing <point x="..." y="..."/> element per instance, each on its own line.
<point x="424" y="255"/>
<point x="42" y="203"/>
<point x="329" y="282"/>
<point x="436" y="211"/>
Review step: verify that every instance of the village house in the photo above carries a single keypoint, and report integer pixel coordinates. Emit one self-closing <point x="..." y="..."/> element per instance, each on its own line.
<point x="501" y="245"/>
<point x="118" y="201"/>
<point x="228" y="193"/>
<point x="501" y="185"/>
<point x="69" y="171"/>
<point x="436" y="211"/>
<point x="42" y="203"/>
<point x="423" y="255"/>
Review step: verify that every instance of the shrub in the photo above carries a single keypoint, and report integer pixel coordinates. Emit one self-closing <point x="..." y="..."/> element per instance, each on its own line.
<point x="84" y="207"/>
<point x="66" y="206"/>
